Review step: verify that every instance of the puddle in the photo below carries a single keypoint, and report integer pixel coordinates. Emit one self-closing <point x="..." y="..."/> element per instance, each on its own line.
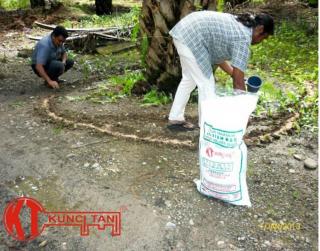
<point x="45" y="190"/>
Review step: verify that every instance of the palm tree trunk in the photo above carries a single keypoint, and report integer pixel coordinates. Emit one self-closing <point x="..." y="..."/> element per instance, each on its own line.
<point x="162" y="61"/>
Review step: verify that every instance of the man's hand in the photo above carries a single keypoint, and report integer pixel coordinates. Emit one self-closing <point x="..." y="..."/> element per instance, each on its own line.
<point x="238" y="79"/>
<point x="54" y="84"/>
<point x="44" y="75"/>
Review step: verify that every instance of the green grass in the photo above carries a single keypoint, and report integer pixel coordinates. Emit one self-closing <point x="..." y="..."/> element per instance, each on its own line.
<point x="220" y="5"/>
<point x="82" y="4"/>
<point x="114" y="20"/>
<point x="17" y="104"/>
<point x="296" y="194"/>
<point x="156" y="98"/>
<point x="58" y="129"/>
<point x="312" y="1"/>
<point x="290" y="55"/>
<point x="112" y="89"/>
<point x="286" y="62"/>
<point x="14" y="4"/>
<point x="127" y="81"/>
<point x="289" y="60"/>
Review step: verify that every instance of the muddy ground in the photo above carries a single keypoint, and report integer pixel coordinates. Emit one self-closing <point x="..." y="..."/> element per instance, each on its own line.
<point x="76" y="168"/>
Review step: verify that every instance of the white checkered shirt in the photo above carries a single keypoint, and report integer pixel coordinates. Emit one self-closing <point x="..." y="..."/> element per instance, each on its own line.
<point x="214" y="37"/>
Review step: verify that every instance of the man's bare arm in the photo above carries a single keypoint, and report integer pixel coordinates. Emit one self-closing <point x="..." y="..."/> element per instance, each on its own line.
<point x="44" y="75"/>
<point x="226" y="67"/>
<point x="238" y="79"/>
<point x="64" y="58"/>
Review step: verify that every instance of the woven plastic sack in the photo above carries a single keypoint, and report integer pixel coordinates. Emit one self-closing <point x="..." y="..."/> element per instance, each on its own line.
<point x="222" y="151"/>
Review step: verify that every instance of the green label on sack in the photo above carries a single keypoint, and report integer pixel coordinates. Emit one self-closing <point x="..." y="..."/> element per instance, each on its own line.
<point x="227" y="139"/>
<point x="214" y="166"/>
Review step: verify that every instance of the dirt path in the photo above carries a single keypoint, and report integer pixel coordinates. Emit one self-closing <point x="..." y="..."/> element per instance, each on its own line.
<point x="78" y="169"/>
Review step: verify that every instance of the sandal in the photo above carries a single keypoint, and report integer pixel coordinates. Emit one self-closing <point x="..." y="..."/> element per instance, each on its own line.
<point x="181" y="126"/>
<point x="61" y="81"/>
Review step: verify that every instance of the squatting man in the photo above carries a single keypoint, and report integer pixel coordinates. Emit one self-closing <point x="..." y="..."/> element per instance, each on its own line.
<point x="49" y="58"/>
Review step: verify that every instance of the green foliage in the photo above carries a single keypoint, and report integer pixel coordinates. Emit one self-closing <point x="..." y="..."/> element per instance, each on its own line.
<point x="104" y="94"/>
<point x="309" y="113"/>
<point x="135" y="32"/>
<point x="135" y="20"/>
<point x="101" y="95"/>
<point x="220" y="5"/>
<point x="14" y="4"/>
<point x="296" y="194"/>
<point x="58" y="129"/>
<point x="94" y="65"/>
<point x="156" y="98"/>
<point x="144" y="49"/>
<point x="85" y="67"/>
<point x="287" y="63"/>
<point x="312" y="2"/>
<point x="99" y="65"/>
<point x="71" y="54"/>
<point x="17" y="104"/>
<point x="111" y="90"/>
<point x="127" y="81"/>
<point x="115" y="20"/>
<point x="290" y="55"/>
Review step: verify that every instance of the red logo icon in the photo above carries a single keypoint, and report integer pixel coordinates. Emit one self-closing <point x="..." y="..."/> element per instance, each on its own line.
<point x="83" y="220"/>
<point x="209" y="152"/>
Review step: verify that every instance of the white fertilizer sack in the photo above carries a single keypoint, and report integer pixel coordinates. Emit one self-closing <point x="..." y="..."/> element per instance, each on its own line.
<point x="222" y="152"/>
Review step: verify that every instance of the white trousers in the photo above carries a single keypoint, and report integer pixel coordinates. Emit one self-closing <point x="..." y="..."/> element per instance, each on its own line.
<point x="192" y="76"/>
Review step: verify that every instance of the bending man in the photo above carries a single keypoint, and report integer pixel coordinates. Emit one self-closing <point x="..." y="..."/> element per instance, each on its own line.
<point x="207" y="38"/>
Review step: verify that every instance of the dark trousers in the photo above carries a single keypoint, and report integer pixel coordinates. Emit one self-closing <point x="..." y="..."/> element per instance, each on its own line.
<point x="55" y="68"/>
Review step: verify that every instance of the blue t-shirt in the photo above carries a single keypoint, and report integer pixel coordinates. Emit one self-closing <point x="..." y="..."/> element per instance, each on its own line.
<point x="45" y="51"/>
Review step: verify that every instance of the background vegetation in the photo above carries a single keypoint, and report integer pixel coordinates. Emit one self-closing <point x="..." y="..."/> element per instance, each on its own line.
<point x="287" y="62"/>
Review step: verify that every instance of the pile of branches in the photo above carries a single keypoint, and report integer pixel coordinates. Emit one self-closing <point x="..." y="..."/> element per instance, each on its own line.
<point x="86" y="39"/>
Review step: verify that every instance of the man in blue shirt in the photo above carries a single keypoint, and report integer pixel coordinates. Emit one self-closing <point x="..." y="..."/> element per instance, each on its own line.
<point x="49" y="58"/>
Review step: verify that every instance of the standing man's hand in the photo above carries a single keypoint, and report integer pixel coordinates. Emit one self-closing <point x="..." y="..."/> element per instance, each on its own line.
<point x="238" y="79"/>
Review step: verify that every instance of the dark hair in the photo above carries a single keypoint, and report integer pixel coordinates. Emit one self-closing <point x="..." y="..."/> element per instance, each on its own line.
<point x="250" y="20"/>
<point x="60" y="31"/>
